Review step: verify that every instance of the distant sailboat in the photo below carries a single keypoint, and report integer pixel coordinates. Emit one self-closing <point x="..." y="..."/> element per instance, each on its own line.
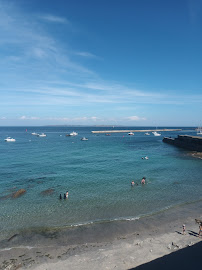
<point x="199" y="131"/>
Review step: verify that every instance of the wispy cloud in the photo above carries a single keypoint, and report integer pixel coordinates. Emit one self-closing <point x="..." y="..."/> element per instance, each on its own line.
<point x="53" y="19"/>
<point x="135" y="118"/>
<point x="28" y="118"/>
<point x="86" y="54"/>
<point x="39" y="68"/>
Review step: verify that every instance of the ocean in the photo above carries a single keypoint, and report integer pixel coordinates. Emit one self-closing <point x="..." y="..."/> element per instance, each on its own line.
<point x="97" y="174"/>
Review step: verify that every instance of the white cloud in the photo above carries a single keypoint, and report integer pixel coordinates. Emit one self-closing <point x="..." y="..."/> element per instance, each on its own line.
<point x="86" y="54"/>
<point x="94" y="118"/>
<point x="135" y="118"/>
<point x="23" y="117"/>
<point x="53" y="18"/>
<point x="28" y="118"/>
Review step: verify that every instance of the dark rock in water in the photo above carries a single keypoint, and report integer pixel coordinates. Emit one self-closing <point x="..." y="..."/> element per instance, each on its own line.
<point x="19" y="193"/>
<point x="47" y="192"/>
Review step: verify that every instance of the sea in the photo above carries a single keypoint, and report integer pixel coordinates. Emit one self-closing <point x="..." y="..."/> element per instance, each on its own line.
<point x="97" y="174"/>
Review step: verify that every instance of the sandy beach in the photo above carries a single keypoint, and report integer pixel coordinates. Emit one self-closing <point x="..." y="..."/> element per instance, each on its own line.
<point x="109" y="245"/>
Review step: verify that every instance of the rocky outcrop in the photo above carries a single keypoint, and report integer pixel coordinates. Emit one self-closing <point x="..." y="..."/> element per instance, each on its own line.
<point x="193" y="143"/>
<point x="18" y="193"/>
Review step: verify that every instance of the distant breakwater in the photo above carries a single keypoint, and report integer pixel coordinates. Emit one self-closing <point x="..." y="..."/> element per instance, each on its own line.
<point x="135" y="130"/>
<point x="193" y="143"/>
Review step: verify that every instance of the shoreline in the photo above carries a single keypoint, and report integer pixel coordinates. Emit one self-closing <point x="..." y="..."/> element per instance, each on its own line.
<point x="87" y="246"/>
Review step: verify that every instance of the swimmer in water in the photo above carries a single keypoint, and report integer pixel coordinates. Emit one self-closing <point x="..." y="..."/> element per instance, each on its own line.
<point x="67" y="194"/>
<point x="60" y="197"/>
<point x="143" y="181"/>
<point x="64" y="196"/>
<point x="132" y="183"/>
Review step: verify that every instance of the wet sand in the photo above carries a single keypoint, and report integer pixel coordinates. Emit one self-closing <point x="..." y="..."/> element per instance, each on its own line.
<point x="109" y="245"/>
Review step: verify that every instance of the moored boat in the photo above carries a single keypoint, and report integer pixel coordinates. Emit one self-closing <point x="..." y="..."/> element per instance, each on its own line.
<point x="41" y="135"/>
<point x="156" y="133"/>
<point x="35" y="134"/>
<point x="9" y="139"/>
<point x="73" y="133"/>
<point x="84" y="139"/>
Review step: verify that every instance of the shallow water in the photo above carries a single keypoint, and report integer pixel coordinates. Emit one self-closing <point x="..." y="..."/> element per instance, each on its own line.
<point x="97" y="173"/>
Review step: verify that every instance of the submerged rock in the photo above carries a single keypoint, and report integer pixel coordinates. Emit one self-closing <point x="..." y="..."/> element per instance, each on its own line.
<point x="18" y="193"/>
<point x="47" y="192"/>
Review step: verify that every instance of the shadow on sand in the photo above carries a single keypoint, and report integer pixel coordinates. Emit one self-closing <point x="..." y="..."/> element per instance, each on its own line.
<point x="186" y="259"/>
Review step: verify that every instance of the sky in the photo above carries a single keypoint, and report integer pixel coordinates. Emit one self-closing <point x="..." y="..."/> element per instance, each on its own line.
<point x="93" y="62"/>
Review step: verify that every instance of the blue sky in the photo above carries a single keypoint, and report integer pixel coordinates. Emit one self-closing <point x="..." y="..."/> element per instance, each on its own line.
<point x="109" y="62"/>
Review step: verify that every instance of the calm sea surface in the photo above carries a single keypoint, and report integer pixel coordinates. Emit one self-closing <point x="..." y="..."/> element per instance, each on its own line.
<point x="97" y="173"/>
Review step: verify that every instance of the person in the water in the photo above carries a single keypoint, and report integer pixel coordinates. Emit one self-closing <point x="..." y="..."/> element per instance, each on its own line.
<point x="67" y="194"/>
<point x="132" y="183"/>
<point x="64" y="196"/>
<point x="60" y="197"/>
<point x="143" y="181"/>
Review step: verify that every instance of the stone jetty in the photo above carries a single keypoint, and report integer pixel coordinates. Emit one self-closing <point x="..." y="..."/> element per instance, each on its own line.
<point x="135" y="130"/>
<point x="192" y="143"/>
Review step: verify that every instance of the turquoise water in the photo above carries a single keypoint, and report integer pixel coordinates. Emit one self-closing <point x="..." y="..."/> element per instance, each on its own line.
<point x="97" y="173"/>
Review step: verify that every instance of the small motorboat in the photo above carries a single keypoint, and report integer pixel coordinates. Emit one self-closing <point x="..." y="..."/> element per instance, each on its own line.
<point x="41" y="135"/>
<point x="84" y="139"/>
<point x="73" y="133"/>
<point x="35" y="134"/>
<point x="156" y="133"/>
<point x="147" y="134"/>
<point x="130" y="133"/>
<point x="9" y="139"/>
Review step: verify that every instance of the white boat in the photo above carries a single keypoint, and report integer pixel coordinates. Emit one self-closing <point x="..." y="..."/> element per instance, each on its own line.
<point x="130" y="133"/>
<point x="73" y="133"/>
<point x="147" y="134"/>
<point x="84" y="139"/>
<point x="9" y="139"/>
<point x="41" y="135"/>
<point x="35" y="134"/>
<point x="156" y="133"/>
<point x="199" y="131"/>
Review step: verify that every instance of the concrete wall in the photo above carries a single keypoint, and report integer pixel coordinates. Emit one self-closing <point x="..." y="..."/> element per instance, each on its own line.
<point x="193" y="143"/>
